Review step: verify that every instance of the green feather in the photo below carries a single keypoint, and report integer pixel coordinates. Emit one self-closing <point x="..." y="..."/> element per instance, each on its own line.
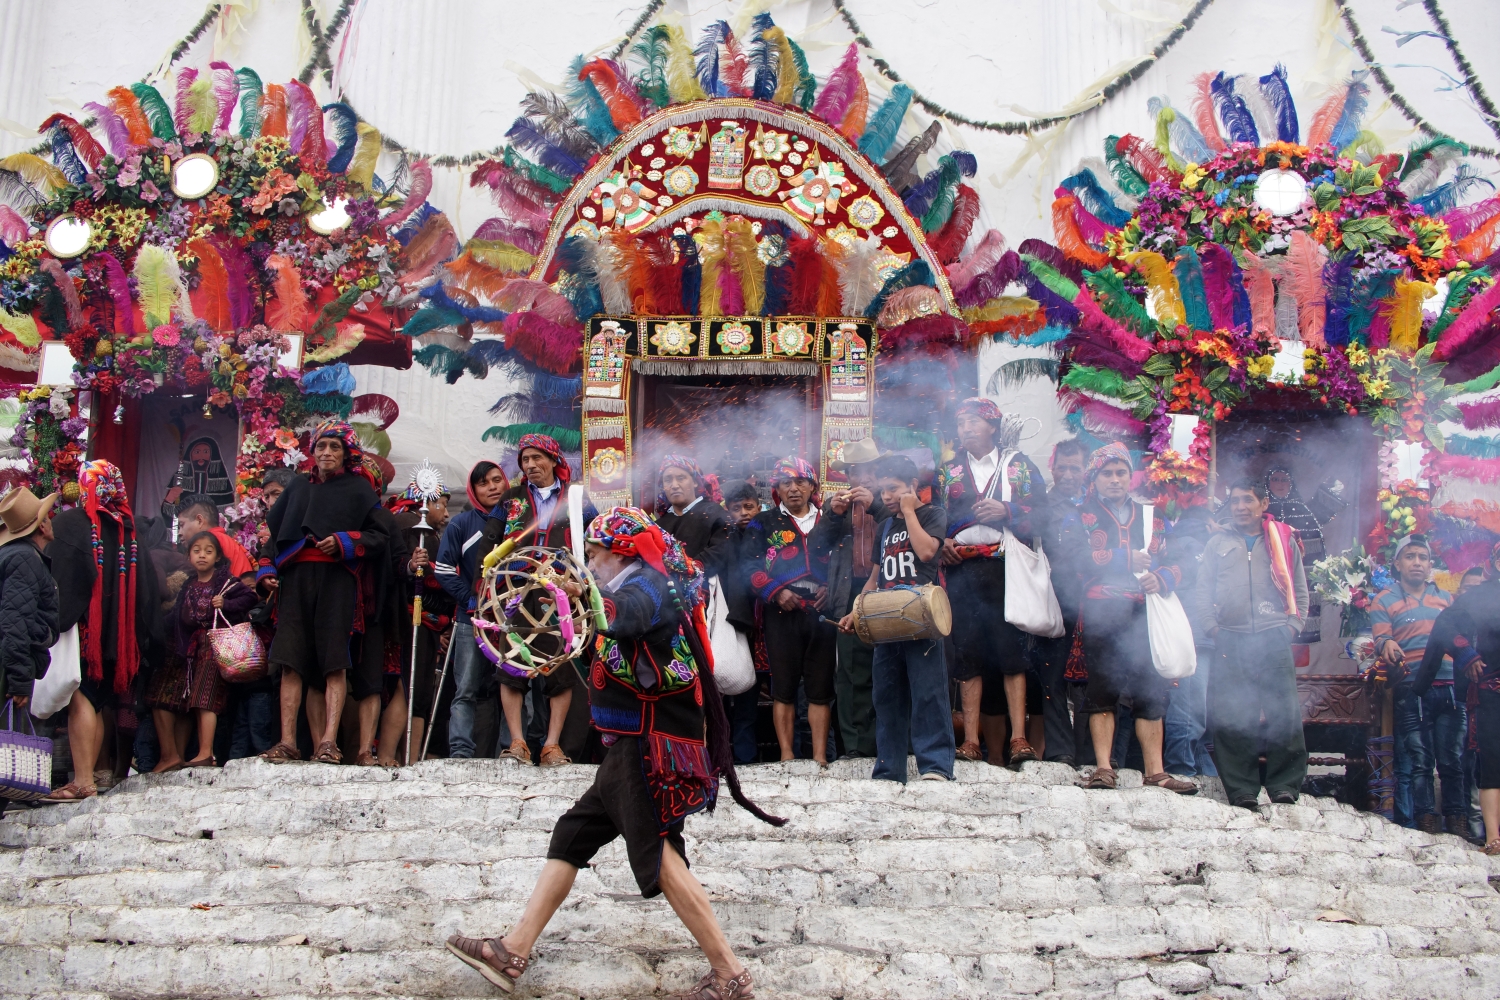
<point x="1483" y="383"/>
<point x="250" y="95"/>
<point x="807" y="84"/>
<point x="566" y="438"/>
<point x="539" y="174"/>
<point x="158" y="285"/>
<point x="1108" y="286"/>
<point x="1452" y="305"/>
<point x="902" y="438"/>
<point x="654" y="50"/>
<point x="1100" y="381"/>
<point x="431" y="318"/>
<point x="1416" y="155"/>
<point x="372" y="438"/>
<point x="155" y="108"/>
<point x="1124" y="174"/>
<point x="942" y="203"/>
<point x="437" y="359"/>
<point x="1057" y="283"/>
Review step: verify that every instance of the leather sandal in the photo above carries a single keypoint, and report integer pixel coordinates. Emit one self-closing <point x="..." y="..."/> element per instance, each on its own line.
<point x="328" y="753"/>
<point x="1103" y="777"/>
<point x="366" y="759"/>
<point x="518" y="751"/>
<point x="72" y="792"/>
<point x="553" y="756"/>
<point x="1171" y="784"/>
<point x="1492" y="848"/>
<point x="1020" y="751"/>
<point x="969" y="750"/>
<point x="281" y="753"/>
<point x="209" y="761"/>
<point x="711" y="987"/>
<point x="503" y="969"/>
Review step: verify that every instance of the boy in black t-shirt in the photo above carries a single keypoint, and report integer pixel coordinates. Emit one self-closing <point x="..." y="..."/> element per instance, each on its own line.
<point x="911" y="681"/>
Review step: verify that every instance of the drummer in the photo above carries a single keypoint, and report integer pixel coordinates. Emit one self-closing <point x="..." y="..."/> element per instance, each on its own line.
<point x="911" y="681"/>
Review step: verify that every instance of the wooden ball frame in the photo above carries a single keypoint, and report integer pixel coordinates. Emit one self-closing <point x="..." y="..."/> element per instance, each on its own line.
<point x="510" y="640"/>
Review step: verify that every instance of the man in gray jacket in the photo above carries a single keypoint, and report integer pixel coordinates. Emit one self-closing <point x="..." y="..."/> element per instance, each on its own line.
<point x="1254" y="603"/>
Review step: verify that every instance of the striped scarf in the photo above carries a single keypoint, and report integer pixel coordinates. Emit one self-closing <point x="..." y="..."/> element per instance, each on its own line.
<point x="1281" y="548"/>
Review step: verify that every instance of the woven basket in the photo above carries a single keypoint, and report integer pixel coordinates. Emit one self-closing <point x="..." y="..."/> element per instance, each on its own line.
<point x="25" y="760"/>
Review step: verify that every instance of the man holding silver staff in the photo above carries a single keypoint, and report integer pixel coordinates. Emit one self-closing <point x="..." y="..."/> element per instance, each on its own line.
<point x="662" y="765"/>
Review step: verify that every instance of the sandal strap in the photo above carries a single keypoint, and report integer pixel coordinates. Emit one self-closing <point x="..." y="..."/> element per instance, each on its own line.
<point x="511" y="960"/>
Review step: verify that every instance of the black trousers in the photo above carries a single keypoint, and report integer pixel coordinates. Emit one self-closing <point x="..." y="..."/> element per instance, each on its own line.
<point x="1057" y="721"/>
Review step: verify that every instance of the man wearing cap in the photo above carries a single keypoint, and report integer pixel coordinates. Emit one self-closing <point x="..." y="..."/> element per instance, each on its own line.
<point x="1401" y="622"/>
<point x="28" y="596"/>
<point x="991" y="656"/>
<point x="852" y="530"/>
<point x="786" y="550"/>
<point x="539" y="502"/>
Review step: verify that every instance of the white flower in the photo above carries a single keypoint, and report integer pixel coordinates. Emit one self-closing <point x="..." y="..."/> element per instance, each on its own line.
<point x="292" y="457"/>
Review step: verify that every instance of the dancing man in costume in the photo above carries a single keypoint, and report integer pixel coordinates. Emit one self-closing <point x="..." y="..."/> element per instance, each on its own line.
<point x="540" y="498"/>
<point x="668" y="741"/>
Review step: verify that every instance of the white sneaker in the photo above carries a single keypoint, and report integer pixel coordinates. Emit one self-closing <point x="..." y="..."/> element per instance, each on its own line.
<point x="934" y="776"/>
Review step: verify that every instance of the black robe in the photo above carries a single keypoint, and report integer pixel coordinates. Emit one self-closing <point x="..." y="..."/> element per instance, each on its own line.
<point x="705" y="532"/>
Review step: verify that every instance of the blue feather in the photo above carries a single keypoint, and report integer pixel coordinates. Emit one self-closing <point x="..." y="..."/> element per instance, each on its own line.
<point x="1233" y="112"/>
<point x="66" y="157"/>
<point x="1059" y="310"/>
<point x="1185" y="135"/>
<point x="762" y="58"/>
<point x="330" y="378"/>
<point x="414" y="222"/>
<point x="707" y="54"/>
<point x="1242" y="314"/>
<point x="429" y="319"/>
<point x="1279" y="96"/>
<point x="1189" y="270"/>
<point x="967" y="164"/>
<point x="345" y="134"/>
<point x="1097" y="200"/>
<point x="550" y="155"/>
<point x="588" y="106"/>
<point x="919" y="197"/>
<point x="250" y="95"/>
<point x="1337" y="278"/>
<point x="1354" y="112"/>
<point x="492" y="351"/>
<point x="692" y="273"/>
<point x="1445" y="197"/>
<point x="582" y="286"/>
<point x="474" y="314"/>
<point x="881" y="130"/>
<point x="548" y="386"/>
<point x="1474" y="447"/>
<point x="1365" y="298"/>
<point x="1049" y="334"/>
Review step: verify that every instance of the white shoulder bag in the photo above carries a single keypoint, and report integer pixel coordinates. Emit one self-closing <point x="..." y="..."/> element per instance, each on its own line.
<point x="734" y="666"/>
<point x="1173" y="652"/>
<point x="1030" y="603"/>
<point x="54" y="689"/>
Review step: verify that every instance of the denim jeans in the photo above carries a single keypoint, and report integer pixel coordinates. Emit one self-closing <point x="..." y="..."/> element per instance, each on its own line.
<point x="1445" y="723"/>
<point x="470" y="669"/>
<point x="1187" y="721"/>
<point x="740" y="709"/>
<point x="912" y="709"/>
<point x="255" y="726"/>
<point x="1413" y="762"/>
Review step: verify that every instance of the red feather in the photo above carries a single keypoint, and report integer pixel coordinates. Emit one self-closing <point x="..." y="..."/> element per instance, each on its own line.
<point x="735" y="69"/>
<point x="65" y="287"/>
<point x="1144" y="157"/>
<point x="288" y="310"/>
<point x="1464" y="331"/>
<point x="434" y="244"/>
<point x="273" y="110"/>
<point x="543" y="342"/>
<point x="128" y="107"/>
<point x="838" y="90"/>
<point x="936" y="331"/>
<point x="526" y="295"/>
<point x="211" y="297"/>
<point x="1326" y="117"/>
<point x="1485" y="413"/>
<point x="1203" y="111"/>
<point x="382" y="408"/>
<point x="807" y="275"/>
<point x="985" y="256"/>
<point x="948" y="243"/>
<point x="1069" y="240"/>
<point x="182" y="111"/>
<point x="87" y="146"/>
<point x="226" y="92"/>
<point x="1484" y="470"/>
<point x="514" y="194"/>
<point x="666" y="275"/>
<point x="417" y="191"/>
<point x="622" y="110"/>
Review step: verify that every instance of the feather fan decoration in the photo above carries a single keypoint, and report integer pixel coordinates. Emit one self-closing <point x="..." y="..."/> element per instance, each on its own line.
<point x="418" y="187"/>
<point x="1404" y="313"/>
<point x="182" y="113"/>
<point x="65" y="158"/>
<point x="1357" y="99"/>
<point x="1066" y="230"/>
<point x="1462" y="332"/>
<point x="158" y="283"/>
<point x="853" y="125"/>
<point x="437" y="359"/>
<point x="1463" y="467"/>
<point x="1278" y="95"/>
<point x="947" y="244"/>
<point x="464" y="304"/>
<point x="66" y="289"/>
<point x="543" y="342"/>
<point x="623" y="111"/>
<point x="1260" y="286"/>
<point x="128" y="106"/>
<point x="900" y="170"/>
<point x="226" y="93"/>
<point x="211" y="298"/>
<point x="749" y="269"/>
<point x="154" y="107"/>
<point x="1247" y="89"/>
<point x="881" y="131"/>
<point x="119" y="293"/>
<point x="525" y="295"/>
<point x="113" y="127"/>
<point x="985" y="256"/>
<point x="1162" y="288"/>
<point x="250" y="93"/>
<point x="526" y="202"/>
<point x="837" y="92"/>
<point x="1368" y="322"/>
<point x="762" y="58"/>
<point x="1108" y="289"/>
<point x="345" y="136"/>
<point x="915" y="273"/>
<point x="1203" y="112"/>
<point x="288" y="310"/>
<point x="86" y="145"/>
<point x="567" y="438"/>
<point x="589" y="106"/>
<point x="555" y="126"/>
<point x="1238" y="121"/>
<point x="1125" y="175"/>
<point x="273" y="111"/>
<point x="1303" y="278"/>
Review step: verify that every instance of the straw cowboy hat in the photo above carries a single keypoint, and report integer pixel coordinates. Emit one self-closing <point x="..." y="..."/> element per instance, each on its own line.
<point x="22" y="513"/>
<point x="854" y="453"/>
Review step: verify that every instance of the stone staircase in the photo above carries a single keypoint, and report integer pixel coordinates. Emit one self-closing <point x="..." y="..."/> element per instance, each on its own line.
<point x="308" y="880"/>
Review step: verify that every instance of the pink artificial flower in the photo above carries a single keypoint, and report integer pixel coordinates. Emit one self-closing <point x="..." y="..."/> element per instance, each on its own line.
<point x="166" y="335"/>
<point x="149" y="191"/>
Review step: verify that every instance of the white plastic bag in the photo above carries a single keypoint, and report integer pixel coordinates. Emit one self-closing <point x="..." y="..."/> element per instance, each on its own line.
<point x="52" y="693"/>
<point x="1172" y="650"/>
<point x="1030" y="603"/>
<point x="734" y="666"/>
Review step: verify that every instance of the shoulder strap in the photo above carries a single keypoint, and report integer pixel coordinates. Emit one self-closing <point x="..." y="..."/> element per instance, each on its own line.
<point x="1002" y="477"/>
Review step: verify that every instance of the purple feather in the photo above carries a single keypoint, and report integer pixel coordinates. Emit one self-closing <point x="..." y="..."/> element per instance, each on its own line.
<point x="550" y="155"/>
<point x="301" y="109"/>
<point x="838" y="91"/>
<point x="119" y="293"/>
<point x="1059" y="309"/>
<point x="992" y="283"/>
<point x="226" y="92"/>
<point x="114" y="129"/>
<point x="1054" y="258"/>
<point x="241" y="280"/>
<point x="184" y="109"/>
<point x="1279" y="96"/>
<point x="1233" y="111"/>
<point x="1218" y="284"/>
<point x="508" y="232"/>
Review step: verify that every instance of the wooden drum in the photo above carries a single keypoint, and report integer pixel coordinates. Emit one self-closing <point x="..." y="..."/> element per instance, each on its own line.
<point x="901" y="614"/>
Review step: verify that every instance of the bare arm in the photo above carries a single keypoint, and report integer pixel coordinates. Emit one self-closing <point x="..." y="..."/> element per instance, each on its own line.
<point x="924" y="545"/>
